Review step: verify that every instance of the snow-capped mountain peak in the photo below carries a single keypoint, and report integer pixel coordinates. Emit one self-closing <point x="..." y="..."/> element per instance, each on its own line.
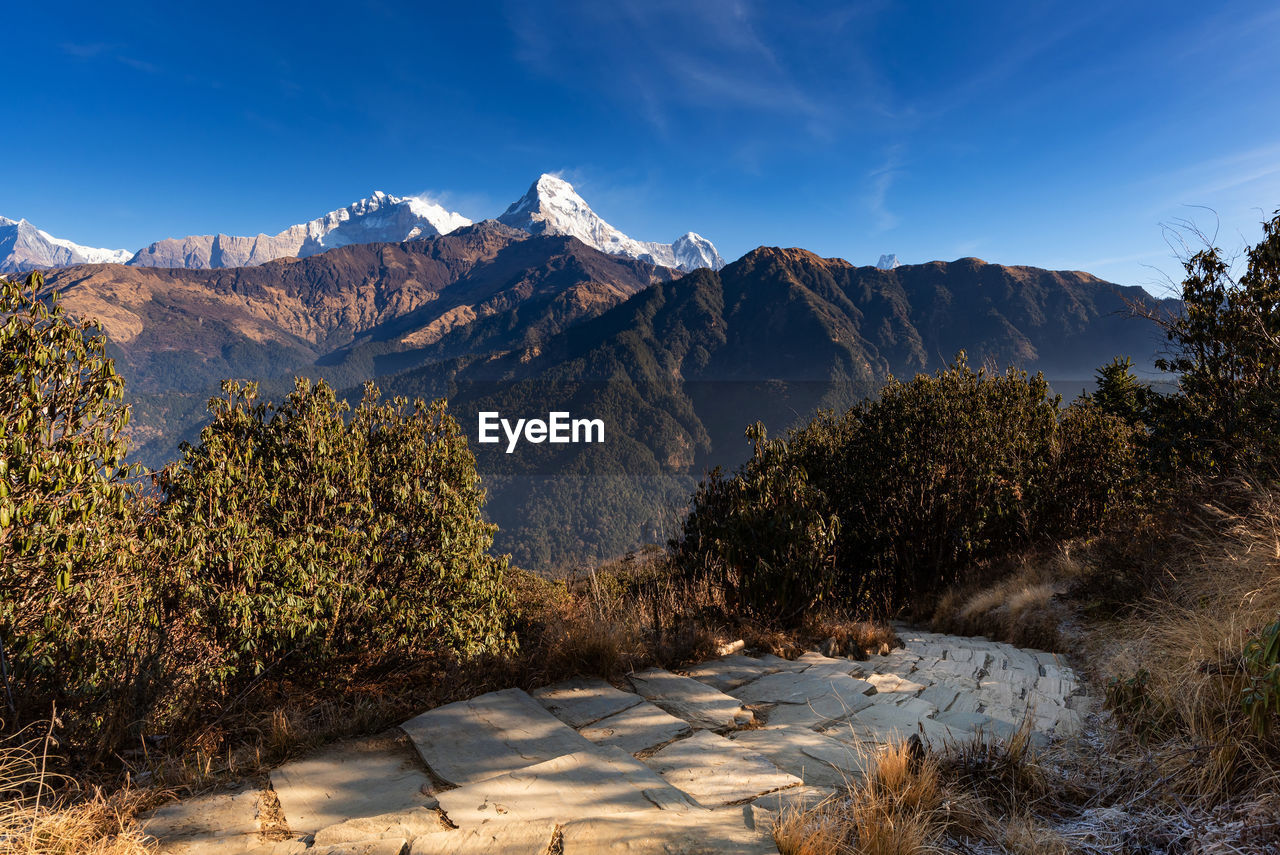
<point x="552" y="206"/>
<point x="888" y="262"/>
<point x="378" y="218"/>
<point x="24" y="247"/>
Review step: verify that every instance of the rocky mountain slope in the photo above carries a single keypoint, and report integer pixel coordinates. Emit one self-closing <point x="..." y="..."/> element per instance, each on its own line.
<point x="679" y="370"/>
<point x="348" y="314"/>
<point x="25" y="247"/>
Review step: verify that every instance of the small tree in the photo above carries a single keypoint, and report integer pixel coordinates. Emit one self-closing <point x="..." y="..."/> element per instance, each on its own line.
<point x="1226" y="351"/>
<point x="1120" y="393"/>
<point x="67" y="622"/>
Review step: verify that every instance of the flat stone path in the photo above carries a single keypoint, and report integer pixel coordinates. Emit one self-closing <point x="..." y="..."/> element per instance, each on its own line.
<point x="694" y="762"/>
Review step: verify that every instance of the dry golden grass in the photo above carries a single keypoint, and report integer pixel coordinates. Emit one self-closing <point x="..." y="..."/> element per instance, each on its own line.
<point x="39" y="815"/>
<point x="1022" y="607"/>
<point x="1176" y="667"/>
<point x="843" y="636"/>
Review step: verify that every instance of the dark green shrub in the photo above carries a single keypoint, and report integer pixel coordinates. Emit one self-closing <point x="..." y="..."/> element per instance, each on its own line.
<point x="292" y="535"/>
<point x="892" y="501"/>
<point x="765" y="535"/>
<point x="939" y="472"/>
<point x="1097" y="470"/>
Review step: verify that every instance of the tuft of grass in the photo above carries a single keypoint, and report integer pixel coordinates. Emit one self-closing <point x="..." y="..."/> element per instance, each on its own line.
<point x="41" y="815"/>
<point x="897" y="808"/>
<point x="839" y="635"/>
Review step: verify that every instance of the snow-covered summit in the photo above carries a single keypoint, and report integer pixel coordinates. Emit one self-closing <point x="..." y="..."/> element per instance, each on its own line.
<point x="552" y="206"/>
<point x="888" y="262"/>
<point x="379" y="218"/>
<point x="24" y="247"/>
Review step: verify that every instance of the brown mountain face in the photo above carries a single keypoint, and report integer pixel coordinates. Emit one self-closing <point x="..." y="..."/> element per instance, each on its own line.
<point x="347" y="314"/>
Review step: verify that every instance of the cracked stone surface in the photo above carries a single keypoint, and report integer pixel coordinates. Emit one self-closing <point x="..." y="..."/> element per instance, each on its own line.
<point x="214" y="824"/>
<point x="575" y="786"/>
<point x="406" y="825"/>
<point x="493" y="838"/>
<point x="717" y="771"/>
<point x="582" y="702"/>
<point x="818" y="760"/>
<point x="637" y="729"/>
<point x="743" y="830"/>
<point x="710" y="773"/>
<point x="730" y="672"/>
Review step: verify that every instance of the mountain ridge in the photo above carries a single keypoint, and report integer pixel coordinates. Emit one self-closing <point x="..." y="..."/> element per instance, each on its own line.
<point x="551" y="206"/>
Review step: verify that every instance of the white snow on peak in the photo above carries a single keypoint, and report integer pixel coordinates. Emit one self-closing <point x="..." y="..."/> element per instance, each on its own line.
<point x="24" y="247"/>
<point x="553" y="207"/>
<point x="380" y="217"/>
<point x="888" y="262"/>
<point x="444" y="220"/>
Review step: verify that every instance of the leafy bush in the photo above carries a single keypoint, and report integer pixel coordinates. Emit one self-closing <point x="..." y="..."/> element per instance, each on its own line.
<point x="1261" y="700"/>
<point x="291" y="534"/>
<point x="72" y="625"/>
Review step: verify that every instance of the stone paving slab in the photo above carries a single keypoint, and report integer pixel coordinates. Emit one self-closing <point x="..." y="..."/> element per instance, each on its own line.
<point x="491" y="838"/>
<point x="214" y="824"/>
<point x="787" y="687"/>
<point x="359" y="778"/>
<point x="892" y="684"/>
<point x="204" y="819"/>
<point x="382" y="846"/>
<point x="839" y="668"/>
<point x="406" y="824"/>
<point x="686" y="698"/>
<point x="581" y="702"/>
<point x="782" y="802"/>
<point x="730" y="672"/>
<point x="575" y="786"/>
<point x="716" y="771"/>
<point x="812" y="657"/>
<point x="637" y="729"/>
<point x="526" y="766"/>
<point x="743" y="830"/>
<point x="780" y="663"/>
<point x="816" y="714"/>
<point x="818" y="760"/>
<point x="494" y="734"/>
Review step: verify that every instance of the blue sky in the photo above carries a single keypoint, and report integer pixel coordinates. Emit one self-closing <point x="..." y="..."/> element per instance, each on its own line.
<point x="1060" y="135"/>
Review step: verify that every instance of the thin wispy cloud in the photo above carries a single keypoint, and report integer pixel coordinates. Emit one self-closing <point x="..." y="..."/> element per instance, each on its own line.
<point x="882" y="179"/>
<point x="104" y="50"/>
<point x="666" y="57"/>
